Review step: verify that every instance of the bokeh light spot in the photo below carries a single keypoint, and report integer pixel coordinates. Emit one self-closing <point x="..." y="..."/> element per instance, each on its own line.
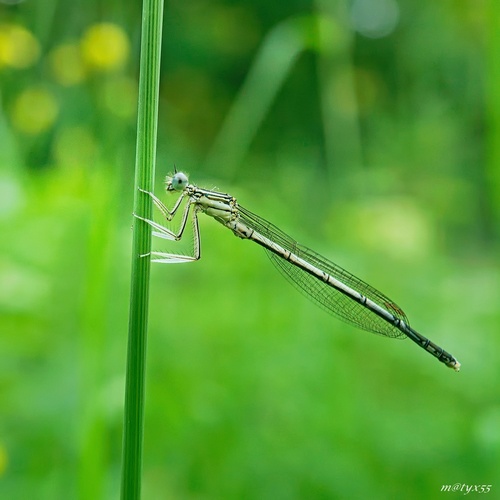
<point x="34" y="111"/>
<point x="105" y="47"/>
<point x="12" y="196"/>
<point x="374" y="18"/>
<point x="18" y="47"/>
<point x="395" y="226"/>
<point x="67" y="65"/>
<point x="75" y="147"/>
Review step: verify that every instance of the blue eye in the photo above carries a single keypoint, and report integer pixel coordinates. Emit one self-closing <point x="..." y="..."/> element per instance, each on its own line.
<point x="179" y="181"/>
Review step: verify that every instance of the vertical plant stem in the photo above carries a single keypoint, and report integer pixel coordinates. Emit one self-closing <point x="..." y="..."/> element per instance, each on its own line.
<point x="281" y="48"/>
<point x="147" y="124"/>
<point x="339" y="106"/>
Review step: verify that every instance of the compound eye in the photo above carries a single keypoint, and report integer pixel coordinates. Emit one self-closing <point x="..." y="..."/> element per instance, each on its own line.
<point x="179" y="181"/>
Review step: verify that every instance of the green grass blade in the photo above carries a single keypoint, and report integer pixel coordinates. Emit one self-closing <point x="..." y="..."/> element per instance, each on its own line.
<point x="276" y="57"/>
<point x="144" y="174"/>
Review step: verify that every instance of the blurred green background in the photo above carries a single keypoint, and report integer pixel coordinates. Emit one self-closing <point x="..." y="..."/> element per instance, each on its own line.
<point x="367" y="129"/>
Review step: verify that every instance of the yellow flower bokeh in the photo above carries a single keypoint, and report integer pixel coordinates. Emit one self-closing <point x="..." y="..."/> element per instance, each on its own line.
<point x="18" y="47"/>
<point x="34" y="111"/>
<point x="67" y="65"/>
<point x="105" y="47"/>
<point x="74" y="147"/>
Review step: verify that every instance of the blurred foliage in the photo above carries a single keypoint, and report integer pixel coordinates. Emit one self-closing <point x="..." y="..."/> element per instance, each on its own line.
<point x="369" y="134"/>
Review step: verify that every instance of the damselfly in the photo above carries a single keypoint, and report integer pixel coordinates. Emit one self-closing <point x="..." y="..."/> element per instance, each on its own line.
<point x="333" y="288"/>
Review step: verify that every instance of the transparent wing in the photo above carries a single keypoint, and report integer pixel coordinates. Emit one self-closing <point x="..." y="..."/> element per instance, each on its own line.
<point x="329" y="298"/>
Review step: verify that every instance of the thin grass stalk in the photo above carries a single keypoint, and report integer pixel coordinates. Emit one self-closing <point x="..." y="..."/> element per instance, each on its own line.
<point x="277" y="55"/>
<point x="336" y="71"/>
<point x="147" y="124"/>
